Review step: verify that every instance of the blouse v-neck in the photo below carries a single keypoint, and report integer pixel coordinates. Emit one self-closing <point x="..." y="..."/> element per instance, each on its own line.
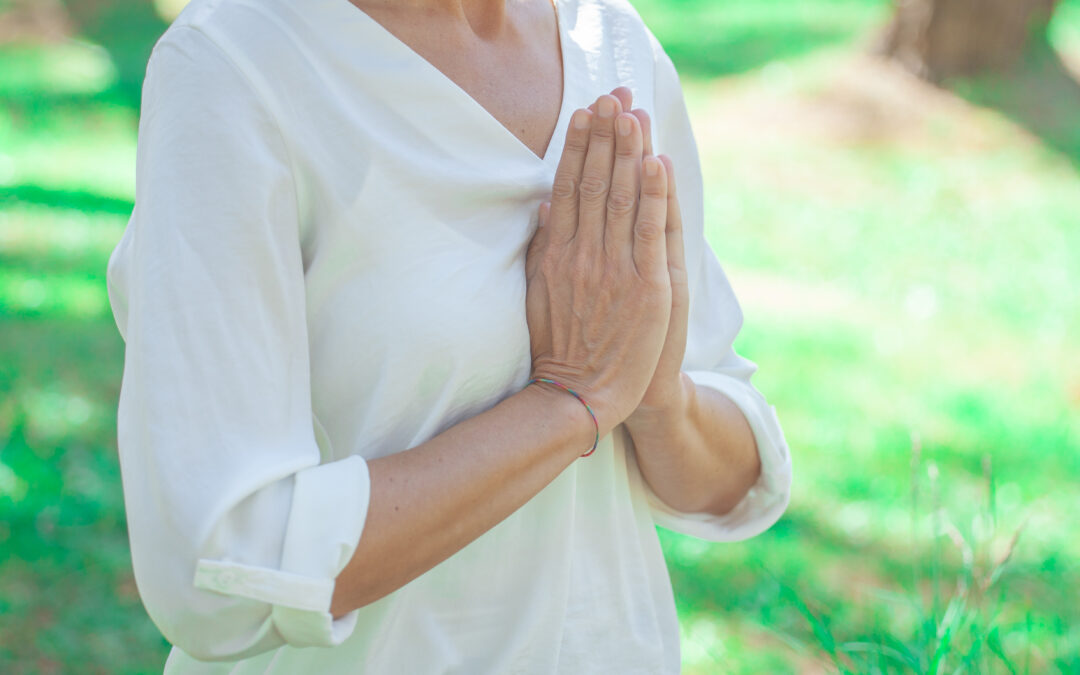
<point x="454" y="89"/>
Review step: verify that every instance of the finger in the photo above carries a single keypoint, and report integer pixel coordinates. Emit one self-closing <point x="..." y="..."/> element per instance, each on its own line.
<point x="538" y="242"/>
<point x="649" y="237"/>
<point x="625" y="184"/>
<point x="563" y="215"/>
<point x="646" y="128"/>
<point x="625" y="96"/>
<point x="676" y="252"/>
<point x="596" y="174"/>
<point x="676" y="257"/>
<point x="674" y="230"/>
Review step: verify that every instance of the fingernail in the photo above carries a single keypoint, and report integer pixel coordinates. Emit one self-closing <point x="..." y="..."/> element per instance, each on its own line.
<point x="652" y="166"/>
<point x="605" y="106"/>
<point x="581" y="120"/>
<point x="622" y="125"/>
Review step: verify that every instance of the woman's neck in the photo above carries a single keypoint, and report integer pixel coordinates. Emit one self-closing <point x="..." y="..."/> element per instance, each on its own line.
<point x="486" y="18"/>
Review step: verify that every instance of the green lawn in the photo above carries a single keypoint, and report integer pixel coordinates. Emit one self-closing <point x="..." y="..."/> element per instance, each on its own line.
<point x="907" y="264"/>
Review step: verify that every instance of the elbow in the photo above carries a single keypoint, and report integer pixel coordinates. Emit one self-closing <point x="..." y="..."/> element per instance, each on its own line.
<point x="189" y="638"/>
<point x="223" y="592"/>
<point x="761" y="506"/>
<point x="739" y="480"/>
<point x="222" y="611"/>
<point x="210" y="637"/>
<point x="725" y="502"/>
<point x="759" y="501"/>
<point x="205" y="625"/>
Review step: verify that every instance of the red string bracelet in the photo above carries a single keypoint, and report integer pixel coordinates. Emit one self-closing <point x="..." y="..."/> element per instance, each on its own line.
<point x="578" y="397"/>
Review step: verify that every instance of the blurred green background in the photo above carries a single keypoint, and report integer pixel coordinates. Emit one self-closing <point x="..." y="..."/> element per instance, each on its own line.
<point x="907" y="256"/>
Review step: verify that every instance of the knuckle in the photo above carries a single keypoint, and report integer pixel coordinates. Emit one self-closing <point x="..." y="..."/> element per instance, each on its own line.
<point x="654" y="189"/>
<point x="577" y="141"/>
<point x="628" y="149"/>
<point x="648" y="230"/>
<point x="564" y="187"/>
<point x="621" y="202"/>
<point x="593" y="187"/>
<point x="679" y="280"/>
<point x="548" y="264"/>
<point x="604" y="132"/>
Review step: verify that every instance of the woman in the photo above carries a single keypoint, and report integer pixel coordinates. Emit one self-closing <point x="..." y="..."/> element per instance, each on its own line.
<point x="358" y="389"/>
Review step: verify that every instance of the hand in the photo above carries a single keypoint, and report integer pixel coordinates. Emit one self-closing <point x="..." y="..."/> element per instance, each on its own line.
<point x="667" y="390"/>
<point x="598" y="296"/>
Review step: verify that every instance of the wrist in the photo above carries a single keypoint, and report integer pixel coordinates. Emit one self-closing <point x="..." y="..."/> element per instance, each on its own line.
<point x="602" y="397"/>
<point x="667" y="410"/>
<point x="571" y="421"/>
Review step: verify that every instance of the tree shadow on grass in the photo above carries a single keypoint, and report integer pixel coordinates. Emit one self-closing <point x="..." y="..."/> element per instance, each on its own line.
<point x="78" y="200"/>
<point x="1040" y="94"/>
<point x="719" y="53"/>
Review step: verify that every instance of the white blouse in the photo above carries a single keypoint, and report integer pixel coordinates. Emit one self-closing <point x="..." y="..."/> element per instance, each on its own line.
<point x="325" y="266"/>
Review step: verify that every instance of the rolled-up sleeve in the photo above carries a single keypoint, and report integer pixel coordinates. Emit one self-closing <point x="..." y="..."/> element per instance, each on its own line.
<point x="715" y="320"/>
<point x="238" y="521"/>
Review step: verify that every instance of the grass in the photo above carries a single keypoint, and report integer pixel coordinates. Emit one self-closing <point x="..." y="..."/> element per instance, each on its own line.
<point x="932" y="628"/>
<point x="907" y="261"/>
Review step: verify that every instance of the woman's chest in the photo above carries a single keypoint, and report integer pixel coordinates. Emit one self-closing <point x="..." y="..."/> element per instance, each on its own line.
<point x="416" y="300"/>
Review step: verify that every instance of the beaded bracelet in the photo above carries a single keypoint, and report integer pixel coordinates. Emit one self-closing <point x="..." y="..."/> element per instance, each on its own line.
<point x="578" y="397"/>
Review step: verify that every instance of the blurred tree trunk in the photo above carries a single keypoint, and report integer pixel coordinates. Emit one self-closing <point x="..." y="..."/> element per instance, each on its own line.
<point x="938" y="39"/>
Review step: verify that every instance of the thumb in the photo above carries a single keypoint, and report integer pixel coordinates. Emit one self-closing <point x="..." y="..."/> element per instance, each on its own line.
<point x="538" y="242"/>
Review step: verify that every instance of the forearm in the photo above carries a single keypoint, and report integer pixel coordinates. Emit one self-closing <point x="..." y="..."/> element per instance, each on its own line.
<point x="432" y="500"/>
<point x="698" y="454"/>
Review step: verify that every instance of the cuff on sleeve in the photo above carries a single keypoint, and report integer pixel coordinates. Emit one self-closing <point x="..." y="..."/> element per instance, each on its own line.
<point x="767" y="499"/>
<point x="326" y="518"/>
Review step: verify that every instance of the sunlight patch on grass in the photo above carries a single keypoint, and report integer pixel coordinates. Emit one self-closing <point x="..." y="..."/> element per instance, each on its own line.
<point x="100" y="163"/>
<point x="11" y="486"/>
<point x="1065" y="27"/>
<point x="48" y="232"/>
<point x="58" y="124"/>
<point x="58" y="295"/>
<point x="714" y="640"/>
<point x="74" y="67"/>
<point x="52" y="414"/>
